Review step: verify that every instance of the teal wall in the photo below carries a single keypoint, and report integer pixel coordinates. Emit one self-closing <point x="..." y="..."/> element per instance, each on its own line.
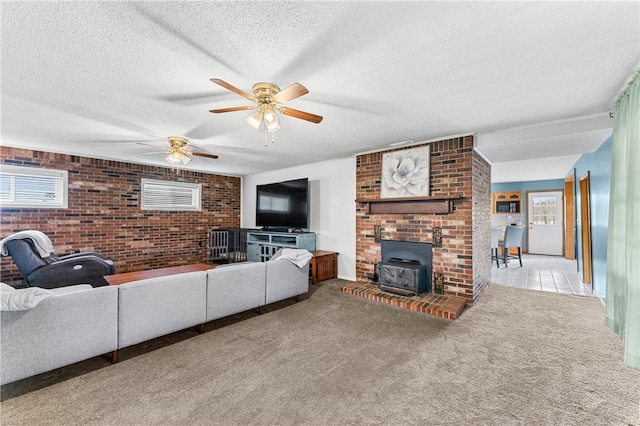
<point x="598" y="165"/>
<point x="535" y="185"/>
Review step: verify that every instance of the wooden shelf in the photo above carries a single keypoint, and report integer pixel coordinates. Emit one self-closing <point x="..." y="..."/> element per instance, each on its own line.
<point x="410" y="205"/>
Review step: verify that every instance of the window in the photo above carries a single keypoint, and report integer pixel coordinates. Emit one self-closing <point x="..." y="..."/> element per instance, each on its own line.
<point x="162" y="195"/>
<point x="33" y="187"/>
<point x="544" y="210"/>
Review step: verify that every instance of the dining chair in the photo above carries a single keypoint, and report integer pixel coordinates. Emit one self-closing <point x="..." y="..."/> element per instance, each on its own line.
<point x="512" y="239"/>
<point x="495" y="244"/>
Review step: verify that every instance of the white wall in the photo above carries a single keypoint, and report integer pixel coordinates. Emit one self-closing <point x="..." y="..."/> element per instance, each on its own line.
<point x="332" y="207"/>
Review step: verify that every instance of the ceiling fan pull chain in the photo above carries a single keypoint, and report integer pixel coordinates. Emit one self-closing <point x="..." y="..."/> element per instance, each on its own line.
<point x="266" y="136"/>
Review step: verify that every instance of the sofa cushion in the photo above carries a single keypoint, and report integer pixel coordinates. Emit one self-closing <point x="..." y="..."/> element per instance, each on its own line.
<point x="157" y="306"/>
<point x="235" y="288"/>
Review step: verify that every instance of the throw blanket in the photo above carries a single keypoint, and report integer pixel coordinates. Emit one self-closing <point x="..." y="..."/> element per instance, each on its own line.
<point x="12" y="299"/>
<point x="298" y="257"/>
<point x="40" y="240"/>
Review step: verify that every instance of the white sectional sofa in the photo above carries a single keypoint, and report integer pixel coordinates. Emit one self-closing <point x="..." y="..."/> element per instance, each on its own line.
<point x="74" y="326"/>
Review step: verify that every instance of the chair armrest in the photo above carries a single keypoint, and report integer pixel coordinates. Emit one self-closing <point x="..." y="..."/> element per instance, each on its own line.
<point x="85" y="253"/>
<point x="86" y="269"/>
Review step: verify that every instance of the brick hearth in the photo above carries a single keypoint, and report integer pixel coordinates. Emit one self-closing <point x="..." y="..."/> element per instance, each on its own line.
<point x="443" y="306"/>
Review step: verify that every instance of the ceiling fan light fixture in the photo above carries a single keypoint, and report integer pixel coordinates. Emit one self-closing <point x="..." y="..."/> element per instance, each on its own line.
<point x="269" y="115"/>
<point x="254" y="120"/>
<point x="274" y="127"/>
<point x="175" y="157"/>
<point x="271" y="120"/>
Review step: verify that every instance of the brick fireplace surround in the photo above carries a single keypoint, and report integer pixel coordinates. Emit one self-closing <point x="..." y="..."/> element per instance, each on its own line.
<point x="462" y="263"/>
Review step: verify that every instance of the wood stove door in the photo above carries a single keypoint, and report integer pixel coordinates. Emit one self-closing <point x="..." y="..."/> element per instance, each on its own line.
<point x="387" y="274"/>
<point x="407" y="278"/>
<point x="399" y="277"/>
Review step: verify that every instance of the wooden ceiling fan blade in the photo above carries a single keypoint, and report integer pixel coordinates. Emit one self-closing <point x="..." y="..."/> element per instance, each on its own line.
<point x="300" y="114"/>
<point x="242" y="108"/>
<point x="289" y="93"/>
<point x="201" y="154"/>
<point x="192" y="149"/>
<point x="233" y="88"/>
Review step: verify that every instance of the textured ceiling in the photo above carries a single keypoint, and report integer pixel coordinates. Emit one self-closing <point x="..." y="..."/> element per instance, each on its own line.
<point x="96" y="78"/>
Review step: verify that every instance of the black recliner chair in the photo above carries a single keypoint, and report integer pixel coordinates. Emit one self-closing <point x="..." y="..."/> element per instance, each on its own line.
<point x="54" y="271"/>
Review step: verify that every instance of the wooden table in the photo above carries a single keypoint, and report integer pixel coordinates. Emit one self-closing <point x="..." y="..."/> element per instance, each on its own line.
<point x="128" y="277"/>
<point x="324" y="265"/>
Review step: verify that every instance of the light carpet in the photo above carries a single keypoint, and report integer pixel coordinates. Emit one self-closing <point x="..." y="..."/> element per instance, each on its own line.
<point x="517" y="357"/>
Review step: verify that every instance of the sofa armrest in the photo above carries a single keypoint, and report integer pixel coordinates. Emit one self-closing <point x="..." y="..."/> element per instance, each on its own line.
<point x="284" y="280"/>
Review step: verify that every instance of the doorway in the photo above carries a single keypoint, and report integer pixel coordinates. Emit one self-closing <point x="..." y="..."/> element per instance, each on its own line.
<point x="546" y="218"/>
<point x="570" y="220"/>
<point x="585" y="227"/>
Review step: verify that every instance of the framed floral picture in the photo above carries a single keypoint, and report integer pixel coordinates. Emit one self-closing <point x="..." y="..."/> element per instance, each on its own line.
<point x="406" y="173"/>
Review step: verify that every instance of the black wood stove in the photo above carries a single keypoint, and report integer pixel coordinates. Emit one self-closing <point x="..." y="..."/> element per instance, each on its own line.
<point x="405" y="268"/>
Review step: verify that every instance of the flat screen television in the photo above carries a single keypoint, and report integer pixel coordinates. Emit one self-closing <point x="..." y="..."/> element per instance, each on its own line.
<point x="283" y="204"/>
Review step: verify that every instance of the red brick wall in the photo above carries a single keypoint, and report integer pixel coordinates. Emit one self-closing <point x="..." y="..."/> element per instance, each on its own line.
<point x="104" y="213"/>
<point x="453" y="167"/>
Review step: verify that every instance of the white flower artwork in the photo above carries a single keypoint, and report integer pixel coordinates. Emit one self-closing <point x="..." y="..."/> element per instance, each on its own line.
<point x="406" y="173"/>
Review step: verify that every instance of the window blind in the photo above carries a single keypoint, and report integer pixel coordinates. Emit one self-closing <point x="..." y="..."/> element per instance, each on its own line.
<point x="162" y="195"/>
<point x="33" y="187"/>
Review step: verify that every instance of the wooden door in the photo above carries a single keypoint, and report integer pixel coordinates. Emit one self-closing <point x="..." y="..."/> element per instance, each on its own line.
<point x="570" y="220"/>
<point x="585" y="221"/>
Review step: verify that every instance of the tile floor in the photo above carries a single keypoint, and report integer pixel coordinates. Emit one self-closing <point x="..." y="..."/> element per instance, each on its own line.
<point x="545" y="273"/>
